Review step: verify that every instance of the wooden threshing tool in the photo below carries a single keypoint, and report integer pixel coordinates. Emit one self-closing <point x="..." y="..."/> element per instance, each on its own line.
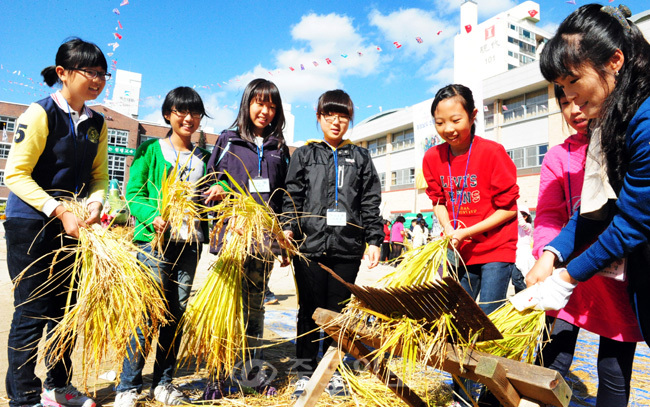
<point x="514" y="383"/>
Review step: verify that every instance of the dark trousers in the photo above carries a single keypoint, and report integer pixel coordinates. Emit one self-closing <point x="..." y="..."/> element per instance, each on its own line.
<point x="396" y="249"/>
<point x="615" y="360"/>
<point x="318" y="289"/>
<point x="31" y="242"/>
<point x="385" y="251"/>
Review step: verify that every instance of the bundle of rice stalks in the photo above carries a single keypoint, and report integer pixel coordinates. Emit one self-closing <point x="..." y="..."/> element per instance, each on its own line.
<point x="417" y="343"/>
<point x="179" y="205"/>
<point x="213" y="323"/>
<point x="426" y="263"/>
<point x="115" y="295"/>
<point x="522" y="333"/>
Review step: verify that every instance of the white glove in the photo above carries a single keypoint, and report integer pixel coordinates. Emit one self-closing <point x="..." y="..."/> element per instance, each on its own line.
<point x="551" y="294"/>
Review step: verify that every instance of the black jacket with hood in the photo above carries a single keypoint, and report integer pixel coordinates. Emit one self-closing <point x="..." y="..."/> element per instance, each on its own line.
<point x="311" y="192"/>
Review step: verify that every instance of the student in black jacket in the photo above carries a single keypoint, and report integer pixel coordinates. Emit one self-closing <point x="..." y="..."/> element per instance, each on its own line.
<point x="334" y="192"/>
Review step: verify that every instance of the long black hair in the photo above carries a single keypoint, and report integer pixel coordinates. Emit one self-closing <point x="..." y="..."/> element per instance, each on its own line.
<point x="591" y="35"/>
<point x="264" y="91"/>
<point x="74" y="53"/>
<point x="464" y="95"/>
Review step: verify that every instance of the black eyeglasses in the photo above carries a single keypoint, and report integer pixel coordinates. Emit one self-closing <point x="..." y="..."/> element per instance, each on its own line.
<point x="92" y="74"/>
<point x="184" y="113"/>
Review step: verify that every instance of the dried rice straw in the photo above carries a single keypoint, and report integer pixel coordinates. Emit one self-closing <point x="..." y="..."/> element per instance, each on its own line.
<point x="115" y="296"/>
<point x="214" y="323"/>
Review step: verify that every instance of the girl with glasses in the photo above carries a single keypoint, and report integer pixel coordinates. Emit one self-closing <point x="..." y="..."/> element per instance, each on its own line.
<point x="173" y="267"/>
<point x="334" y="193"/>
<point x="59" y="150"/>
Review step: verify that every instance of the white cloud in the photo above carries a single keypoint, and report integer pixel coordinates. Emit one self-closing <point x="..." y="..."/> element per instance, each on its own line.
<point x="405" y="25"/>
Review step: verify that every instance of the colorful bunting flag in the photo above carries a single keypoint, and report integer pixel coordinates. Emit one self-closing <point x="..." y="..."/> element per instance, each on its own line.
<point x="419" y="40"/>
<point x="359" y="53"/>
<point x="439" y="31"/>
<point x="397" y="44"/>
<point x="116" y="11"/>
<point x="302" y="67"/>
<point x="532" y="13"/>
<point x="120" y="24"/>
<point x="118" y="36"/>
<point x="124" y="2"/>
<point x="329" y="61"/>
<point x="315" y="63"/>
<point x="291" y="69"/>
<point x="344" y="55"/>
<point x="571" y="2"/>
<point x="468" y="28"/>
<point x="378" y="48"/>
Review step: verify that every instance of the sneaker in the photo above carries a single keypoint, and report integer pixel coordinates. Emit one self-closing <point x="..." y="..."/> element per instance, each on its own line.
<point x="126" y="398"/>
<point x="269" y="298"/>
<point x="169" y="395"/>
<point x="300" y="386"/>
<point x="67" y="396"/>
<point x="337" y="387"/>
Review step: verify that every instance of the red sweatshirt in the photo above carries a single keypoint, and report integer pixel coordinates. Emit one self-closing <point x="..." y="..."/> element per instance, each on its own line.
<point x="490" y="183"/>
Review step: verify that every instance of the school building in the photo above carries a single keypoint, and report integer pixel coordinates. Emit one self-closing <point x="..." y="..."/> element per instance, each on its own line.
<point x="125" y="133"/>
<point x="498" y="60"/>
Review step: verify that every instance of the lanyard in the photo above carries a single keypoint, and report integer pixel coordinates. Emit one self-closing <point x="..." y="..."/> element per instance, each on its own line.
<point x="178" y="164"/>
<point x="74" y="143"/>
<point x="454" y="195"/>
<point x="336" y="177"/>
<point x="568" y="175"/>
<point x="260" y="154"/>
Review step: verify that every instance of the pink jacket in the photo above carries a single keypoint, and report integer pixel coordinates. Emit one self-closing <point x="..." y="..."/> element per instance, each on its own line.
<point x="600" y="305"/>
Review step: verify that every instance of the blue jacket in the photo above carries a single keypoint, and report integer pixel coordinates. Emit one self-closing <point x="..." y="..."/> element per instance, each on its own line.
<point x="629" y="227"/>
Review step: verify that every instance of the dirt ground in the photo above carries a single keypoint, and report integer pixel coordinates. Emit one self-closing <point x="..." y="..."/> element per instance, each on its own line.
<point x="582" y="379"/>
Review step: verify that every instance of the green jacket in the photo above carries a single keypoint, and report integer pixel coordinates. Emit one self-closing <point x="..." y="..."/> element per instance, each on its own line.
<point x="143" y="188"/>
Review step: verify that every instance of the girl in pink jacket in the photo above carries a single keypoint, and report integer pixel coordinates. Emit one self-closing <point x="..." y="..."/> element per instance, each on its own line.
<point x="600" y="304"/>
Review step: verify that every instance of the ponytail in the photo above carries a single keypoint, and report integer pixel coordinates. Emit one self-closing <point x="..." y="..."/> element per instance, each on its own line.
<point x="50" y="77"/>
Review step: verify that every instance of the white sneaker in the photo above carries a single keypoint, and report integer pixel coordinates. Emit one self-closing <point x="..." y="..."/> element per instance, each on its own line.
<point x="126" y="398"/>
<point x="169" y="395"/>
<point x="337" y="387"/>
<point x="67" y="396"/>
<point x="300" y="386"/>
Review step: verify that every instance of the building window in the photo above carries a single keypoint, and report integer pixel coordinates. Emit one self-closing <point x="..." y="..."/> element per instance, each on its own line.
<point x="144" y="138"/>
<point x="525" y="106"/>
<point x="4" y="150"/>
<point x="529" y="156"/>
<point x="402" y="177"/>
<point x="511" y="66"/>
<point x="117" y="167"/>
<point x="382" y="179"/>
<point x="118" y="138"/>
<point x="8" y="123"/>
<point x="403" y="139"/>
<point x="377" y="146"/>
<point x="2" y="178"/>
<point x="488" y="115"/>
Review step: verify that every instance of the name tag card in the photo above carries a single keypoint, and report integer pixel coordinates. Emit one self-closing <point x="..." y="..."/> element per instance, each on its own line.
<point x="616" y="270"/>
<point x="259" y="185"/>
<point x="336" y="217"/>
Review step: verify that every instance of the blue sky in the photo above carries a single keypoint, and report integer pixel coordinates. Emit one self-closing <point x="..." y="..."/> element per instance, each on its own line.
<point x="205" y="43"/>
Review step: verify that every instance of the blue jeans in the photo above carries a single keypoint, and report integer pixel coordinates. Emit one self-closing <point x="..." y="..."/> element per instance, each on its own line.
<point x="31" y="241"/>
<point x="490" y="280"/>
<point x="174" y="270"/>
